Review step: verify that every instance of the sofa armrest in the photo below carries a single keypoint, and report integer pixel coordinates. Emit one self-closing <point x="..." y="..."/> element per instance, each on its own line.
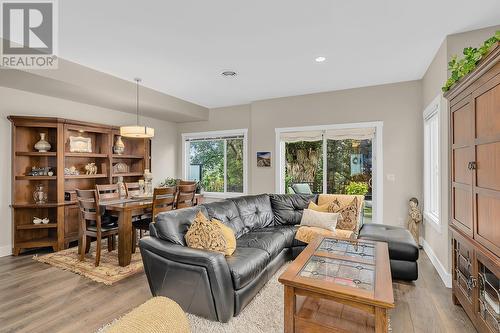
<point x="206" y="272"/>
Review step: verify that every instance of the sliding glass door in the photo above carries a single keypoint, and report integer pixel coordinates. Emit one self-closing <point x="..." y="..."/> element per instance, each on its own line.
<point x="330" y="161"/>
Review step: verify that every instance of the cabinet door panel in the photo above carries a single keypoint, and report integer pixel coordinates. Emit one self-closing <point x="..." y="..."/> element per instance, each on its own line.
<point x="462" y="126"/>
<point x="463" y="272"/>
<point x="462" y="209"/>
<point x="488" y="166"/>
<point x="461" y="159"/>
<point x="488" y="217"/>
<point x="71" y="223"/>
<point x="488" y="114"/>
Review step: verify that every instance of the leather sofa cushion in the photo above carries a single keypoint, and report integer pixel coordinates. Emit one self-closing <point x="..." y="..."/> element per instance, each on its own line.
<point x="273" y="242"/>
<point x="288" y="231"/>
<point x="401" y="244"/>
<point x="246" y="264"/>
<point x="173" y="225"/>
<point x="255" y="211"/>
<point x="226" y="212"/>
<point x="288" y="208"/>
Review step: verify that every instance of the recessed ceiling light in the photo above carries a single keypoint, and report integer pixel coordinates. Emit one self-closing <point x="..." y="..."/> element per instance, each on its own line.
<point x="229" y="73"/>
<point x="320" y="59"/>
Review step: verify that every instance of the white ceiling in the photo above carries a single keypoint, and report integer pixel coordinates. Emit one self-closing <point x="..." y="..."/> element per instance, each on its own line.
<point x="180" y="47"/>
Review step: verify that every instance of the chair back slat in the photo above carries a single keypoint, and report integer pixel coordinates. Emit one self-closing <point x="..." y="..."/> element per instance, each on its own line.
<point x="132" y="189"/>
<point x="185" y="195"/>
<point x="107" y="192"/>
<point x="163" y="200"/>
<point x="90" y="212"/>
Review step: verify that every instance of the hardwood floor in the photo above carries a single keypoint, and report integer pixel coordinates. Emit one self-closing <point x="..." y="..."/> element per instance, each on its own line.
<point x="35" y="297"/>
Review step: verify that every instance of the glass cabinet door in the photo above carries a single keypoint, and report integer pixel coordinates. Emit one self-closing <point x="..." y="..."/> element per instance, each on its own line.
<point x="489" y="295"/>
<point x="464" y="281"/>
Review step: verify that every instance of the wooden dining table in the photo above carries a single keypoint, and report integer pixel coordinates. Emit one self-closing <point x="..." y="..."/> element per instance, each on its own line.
<point x="126" y="209"/>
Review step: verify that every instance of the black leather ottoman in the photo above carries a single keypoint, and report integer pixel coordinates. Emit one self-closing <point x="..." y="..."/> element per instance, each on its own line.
<point x="403" y="251"/>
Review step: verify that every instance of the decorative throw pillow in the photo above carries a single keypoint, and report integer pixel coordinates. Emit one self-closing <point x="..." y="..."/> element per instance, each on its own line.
<point x="229" y="237"/>
<point x="205" y="235"/>
<point x="307" y="234"/>
<point x="319" y="208"/>
<point x="327" y="221"/>
<point x="349" y="215"/>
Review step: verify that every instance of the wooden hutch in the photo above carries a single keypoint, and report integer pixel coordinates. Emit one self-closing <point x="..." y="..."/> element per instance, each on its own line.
<point x="474" y="108"/>
<point x="61" y="208"/>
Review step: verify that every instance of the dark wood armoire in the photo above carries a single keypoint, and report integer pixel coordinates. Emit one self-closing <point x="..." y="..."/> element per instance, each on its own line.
<point x="474" y="107"/>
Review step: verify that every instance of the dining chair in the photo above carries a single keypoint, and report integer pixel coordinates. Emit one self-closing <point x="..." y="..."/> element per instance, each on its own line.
<point x="163" y="200"/>
<point x="133" y="189"/>
<point x="187" y="182"/>
<point x="107" y="192"/>
<point x="185" y="196"/>
<point x="91" y="225"/>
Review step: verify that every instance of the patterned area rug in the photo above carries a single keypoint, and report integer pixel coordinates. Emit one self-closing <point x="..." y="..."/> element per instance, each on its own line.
<point x="108" y="271"/>
<point x="264" y="314"/>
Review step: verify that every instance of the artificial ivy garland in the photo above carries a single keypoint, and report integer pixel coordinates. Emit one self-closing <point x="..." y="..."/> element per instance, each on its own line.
<point x="472" y="55"/>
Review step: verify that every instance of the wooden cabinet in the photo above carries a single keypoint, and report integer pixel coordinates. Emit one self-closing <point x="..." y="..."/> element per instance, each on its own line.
<point x="63" y="212"/>
<point x="475" y="192"/>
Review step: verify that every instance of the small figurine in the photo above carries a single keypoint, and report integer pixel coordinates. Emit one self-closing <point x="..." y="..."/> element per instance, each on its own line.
<point x="414" y="218"/>
<point x="91" y="169"/>
<point x="71" y="171"/>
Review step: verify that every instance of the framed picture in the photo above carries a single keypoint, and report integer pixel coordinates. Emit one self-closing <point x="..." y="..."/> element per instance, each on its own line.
<point x="78" y="144"/>
<point x="264" y="159"/>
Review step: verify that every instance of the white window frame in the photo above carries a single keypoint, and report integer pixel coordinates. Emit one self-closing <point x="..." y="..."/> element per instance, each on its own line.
<point x="432" y="149"/>
<point x="218" y="134"/>
<point x="377" y="160"/>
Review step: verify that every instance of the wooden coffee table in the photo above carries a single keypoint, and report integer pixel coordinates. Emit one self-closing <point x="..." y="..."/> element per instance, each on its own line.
<point x="337" y="285"/>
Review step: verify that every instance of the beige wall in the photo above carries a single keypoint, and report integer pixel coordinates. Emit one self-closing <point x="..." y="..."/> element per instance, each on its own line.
<point x="397" y="105"/>
<point x="438" y="239"/>
<point x="16" y="102"/>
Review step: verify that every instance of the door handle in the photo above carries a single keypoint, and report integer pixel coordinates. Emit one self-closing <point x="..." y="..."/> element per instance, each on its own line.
<point x="472" y="165"/>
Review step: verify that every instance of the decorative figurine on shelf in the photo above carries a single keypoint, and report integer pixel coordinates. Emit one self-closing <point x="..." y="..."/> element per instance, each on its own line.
<point x="91" y="169"/>
<point x="71" y="171"/>
<point x="37" y="220"/>
<point x="121" y="187"/>
<point x="35" y="171"/>
<point x="120" y="168"/>
<point x="39" y="194"/>
<point x="42" y="146"/>
<point x="414" y="219"/>
<point x="119" y="147"/>
<point x="148" y="182"/>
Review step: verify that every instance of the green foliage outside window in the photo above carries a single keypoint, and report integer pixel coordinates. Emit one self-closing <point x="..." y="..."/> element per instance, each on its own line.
<point x="357" y="188"/>
<point x="210" y="156"/>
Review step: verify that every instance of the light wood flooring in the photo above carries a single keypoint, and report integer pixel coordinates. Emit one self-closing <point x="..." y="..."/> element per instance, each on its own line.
<point x="35" y="297"/>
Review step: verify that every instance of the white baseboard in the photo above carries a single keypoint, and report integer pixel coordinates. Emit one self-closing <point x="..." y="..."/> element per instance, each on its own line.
<point x="445" y="276"/>
<point x="5" y="250"/>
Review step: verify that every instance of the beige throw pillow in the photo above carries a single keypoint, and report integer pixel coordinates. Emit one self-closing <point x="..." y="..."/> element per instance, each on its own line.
<point x="312" y="218"/>
<point x="307" y="234"/>
<point x="205" y="235"/>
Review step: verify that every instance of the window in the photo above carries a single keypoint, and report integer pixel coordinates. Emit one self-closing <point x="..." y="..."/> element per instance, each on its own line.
<point x="333" y="159"/>
<point x="431" y="161"/>
<point x="217" y="160"/>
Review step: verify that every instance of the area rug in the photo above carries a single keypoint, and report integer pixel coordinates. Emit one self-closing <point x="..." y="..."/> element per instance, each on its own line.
<point x="264" y="314"/>
<point x="108" y="271"/>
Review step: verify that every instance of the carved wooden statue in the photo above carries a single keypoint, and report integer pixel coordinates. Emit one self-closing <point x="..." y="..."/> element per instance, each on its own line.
<point x="91" y="169"/>
<point x="414" y="219"/>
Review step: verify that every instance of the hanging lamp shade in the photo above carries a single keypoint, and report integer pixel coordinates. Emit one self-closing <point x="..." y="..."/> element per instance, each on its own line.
<point x="137" y="131"/>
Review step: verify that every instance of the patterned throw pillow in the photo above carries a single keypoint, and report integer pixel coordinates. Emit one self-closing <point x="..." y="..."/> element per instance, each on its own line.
<point x="228" y="235"/>
<point x="205" y="235"/>
<point x="349" y="215"/>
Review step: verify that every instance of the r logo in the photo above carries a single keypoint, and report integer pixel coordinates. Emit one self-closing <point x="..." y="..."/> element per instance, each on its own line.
<point x="27" y="27"/>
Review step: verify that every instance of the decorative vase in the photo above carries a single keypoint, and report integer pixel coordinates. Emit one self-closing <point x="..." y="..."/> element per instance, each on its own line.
<point x="148" y="182"/>
<point x="39" y="194"/>
<point x="121" y="187"/>
<point x="42" y="146"/>
<point x="119" y="147"/>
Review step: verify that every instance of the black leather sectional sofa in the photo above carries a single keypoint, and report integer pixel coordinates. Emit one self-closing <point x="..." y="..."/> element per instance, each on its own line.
<point x="216" y="287"/>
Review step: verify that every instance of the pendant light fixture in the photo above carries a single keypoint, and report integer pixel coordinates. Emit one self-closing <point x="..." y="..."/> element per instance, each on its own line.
<point x="137" y="131"/>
